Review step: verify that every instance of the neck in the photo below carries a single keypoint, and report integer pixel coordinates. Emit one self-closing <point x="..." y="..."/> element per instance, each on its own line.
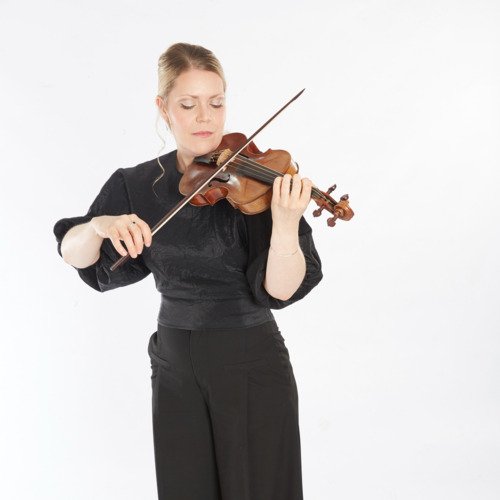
<point x="183" y="161"/>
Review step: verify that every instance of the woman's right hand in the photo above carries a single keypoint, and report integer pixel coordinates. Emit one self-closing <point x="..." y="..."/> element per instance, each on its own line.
<point x="134" y="232"/>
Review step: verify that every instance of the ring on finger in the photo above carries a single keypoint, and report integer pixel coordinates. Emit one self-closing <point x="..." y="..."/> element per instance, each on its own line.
<point x="131" y="224"/>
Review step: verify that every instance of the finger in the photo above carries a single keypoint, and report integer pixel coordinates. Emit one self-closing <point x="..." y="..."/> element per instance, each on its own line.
<point x="114" y="236"/>
<point x="296" y="188"/>
<point x="285" y="186"/>
<point x="277" y="189"/>
<point x="141" y="232"/>
<point x="305" y="195"/>
<point x="146" y="231"/>
<point x="136" y="234"/>
<point x="126" y="237"/>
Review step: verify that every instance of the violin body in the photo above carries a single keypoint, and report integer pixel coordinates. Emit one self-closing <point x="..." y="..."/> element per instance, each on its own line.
<point x="237" y="182"/>
<point x="246" y="182"/>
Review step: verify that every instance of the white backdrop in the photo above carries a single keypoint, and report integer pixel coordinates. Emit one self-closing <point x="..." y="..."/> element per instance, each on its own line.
<point x="396" y="353"/>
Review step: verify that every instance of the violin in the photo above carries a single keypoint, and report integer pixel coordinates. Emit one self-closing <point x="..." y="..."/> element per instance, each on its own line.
<point x="243" y="175"/>
<point x="246" y="181"/>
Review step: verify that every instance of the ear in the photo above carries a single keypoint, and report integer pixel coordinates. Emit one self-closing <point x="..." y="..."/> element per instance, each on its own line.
<point x="162" y="107"/>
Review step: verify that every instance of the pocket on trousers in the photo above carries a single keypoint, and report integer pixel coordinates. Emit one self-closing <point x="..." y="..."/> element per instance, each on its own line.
<point x="158" y="362"/>
<point x="281" y="359"/>
<point x="152" y="350"/>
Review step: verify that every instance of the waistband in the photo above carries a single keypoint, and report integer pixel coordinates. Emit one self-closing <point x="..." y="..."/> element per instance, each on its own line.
<point x="238" y="312"/>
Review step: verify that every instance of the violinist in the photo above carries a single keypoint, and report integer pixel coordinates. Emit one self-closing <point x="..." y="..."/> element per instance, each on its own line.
<point x="224" y="398"/>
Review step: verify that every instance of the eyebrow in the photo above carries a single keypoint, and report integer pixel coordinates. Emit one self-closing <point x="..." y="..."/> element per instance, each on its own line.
<point x="196" y="97"/>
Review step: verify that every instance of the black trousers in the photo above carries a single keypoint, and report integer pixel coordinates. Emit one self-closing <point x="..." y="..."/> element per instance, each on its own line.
<point x="225" y="415"/>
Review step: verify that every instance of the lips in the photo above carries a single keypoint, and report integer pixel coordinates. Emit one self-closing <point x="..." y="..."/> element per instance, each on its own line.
<point x="203" y="133"/>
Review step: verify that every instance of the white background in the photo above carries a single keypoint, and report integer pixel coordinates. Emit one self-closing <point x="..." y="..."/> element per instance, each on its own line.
<point x="396" y="353"/>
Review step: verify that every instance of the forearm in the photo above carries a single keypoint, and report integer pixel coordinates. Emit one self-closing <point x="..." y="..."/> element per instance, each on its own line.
<point x="286" y="265"/>
<point x="81" y="246"/>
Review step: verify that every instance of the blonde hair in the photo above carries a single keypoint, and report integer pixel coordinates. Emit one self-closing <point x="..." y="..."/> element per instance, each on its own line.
<point x="182" y="57"/>
<point x="177" y="59"/>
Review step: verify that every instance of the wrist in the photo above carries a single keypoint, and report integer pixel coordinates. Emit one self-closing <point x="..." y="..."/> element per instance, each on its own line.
<point x="94" y="226"/>
<point x="271" y="249"/>
<point x="284" y="243"/>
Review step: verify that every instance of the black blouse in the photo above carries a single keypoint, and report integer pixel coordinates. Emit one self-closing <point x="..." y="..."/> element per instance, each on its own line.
<point x="209" y="263"/>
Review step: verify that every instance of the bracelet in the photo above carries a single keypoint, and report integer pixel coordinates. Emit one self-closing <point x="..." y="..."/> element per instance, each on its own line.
<point x="283" y="254"/>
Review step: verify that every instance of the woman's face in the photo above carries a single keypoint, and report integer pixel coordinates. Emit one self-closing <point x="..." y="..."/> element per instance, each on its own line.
<point x="195" y="111"/>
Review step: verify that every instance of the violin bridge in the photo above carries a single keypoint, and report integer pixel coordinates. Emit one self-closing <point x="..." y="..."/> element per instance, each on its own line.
<point x="223" y="157"/>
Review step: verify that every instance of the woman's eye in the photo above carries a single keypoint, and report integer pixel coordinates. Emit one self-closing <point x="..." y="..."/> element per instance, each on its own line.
<point x="187" y="106"/>
<point x="217" y="105"/>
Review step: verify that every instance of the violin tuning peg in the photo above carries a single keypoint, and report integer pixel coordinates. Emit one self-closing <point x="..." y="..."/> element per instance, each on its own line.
<point x="331" y="221"/>
<point x="318" y="211"/>
<point x="331" y="189"/>
<point x="345" y="197"/>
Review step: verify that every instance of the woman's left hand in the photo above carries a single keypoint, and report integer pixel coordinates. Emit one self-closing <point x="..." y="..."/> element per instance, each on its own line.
<point x="284" y="275"/>
<point x="291" y="195"/>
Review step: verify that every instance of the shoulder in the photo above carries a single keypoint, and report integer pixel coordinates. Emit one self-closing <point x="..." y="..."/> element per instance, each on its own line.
<point x="147" y="171"/>
<point x="125" y="184"/>
<point x="134" y="180"/>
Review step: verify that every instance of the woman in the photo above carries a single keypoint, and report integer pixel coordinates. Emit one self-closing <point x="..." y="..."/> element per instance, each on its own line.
<point x="225" y="407"/>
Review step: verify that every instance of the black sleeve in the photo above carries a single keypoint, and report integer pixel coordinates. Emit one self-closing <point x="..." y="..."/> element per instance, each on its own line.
<point x="259" y="228"/>
<point x="112" y="200"/>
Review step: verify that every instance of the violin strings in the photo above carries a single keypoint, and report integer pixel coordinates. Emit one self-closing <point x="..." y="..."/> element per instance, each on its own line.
<point x="261" y="172"/>
<point x="258" y="171"/>
<point x="267" y="174"/>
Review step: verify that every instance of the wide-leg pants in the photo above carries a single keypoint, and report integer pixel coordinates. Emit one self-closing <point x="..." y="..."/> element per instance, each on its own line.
<point x="225" y="415"/>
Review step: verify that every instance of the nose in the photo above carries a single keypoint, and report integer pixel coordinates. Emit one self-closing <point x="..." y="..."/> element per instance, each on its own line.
<point x="204" y="113"/>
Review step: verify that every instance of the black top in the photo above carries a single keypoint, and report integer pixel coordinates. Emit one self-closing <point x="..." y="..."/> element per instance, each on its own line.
<point x="208" y="262"/>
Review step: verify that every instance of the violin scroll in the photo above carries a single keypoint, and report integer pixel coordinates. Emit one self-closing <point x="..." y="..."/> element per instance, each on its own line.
<point x="340" y="209"/>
